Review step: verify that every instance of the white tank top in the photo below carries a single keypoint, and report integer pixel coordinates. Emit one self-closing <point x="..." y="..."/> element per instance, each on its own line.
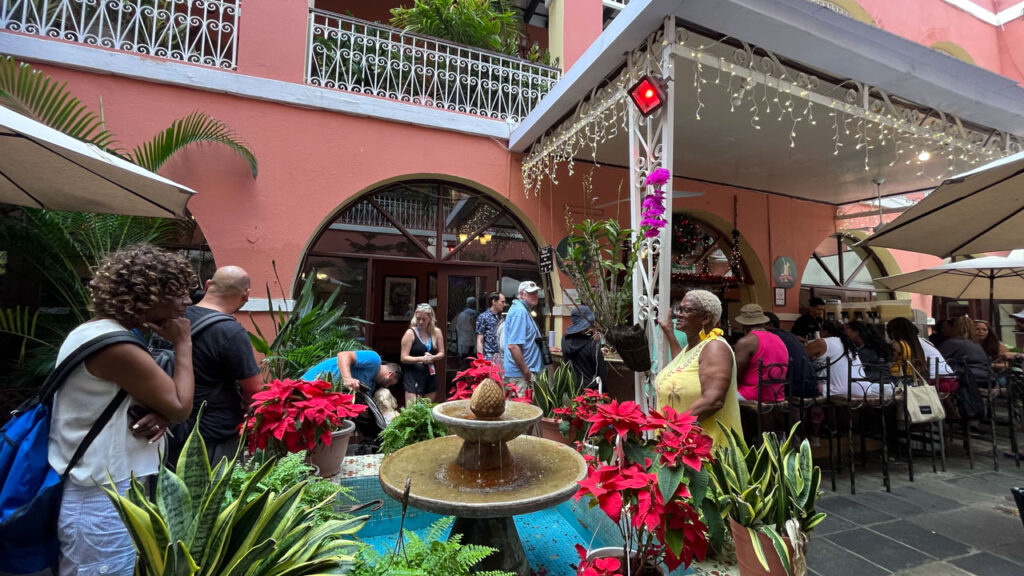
<point x="76" y="406"/>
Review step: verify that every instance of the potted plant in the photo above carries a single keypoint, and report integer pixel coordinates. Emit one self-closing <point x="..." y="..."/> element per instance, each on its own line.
<point x="191" y="526"/>
<point x="294" y="415"/>
<point x="309" y="333"/>
<point x="553" y="392"/>
<point x="647" y="472"/>
<point x="413" y="424"/>
<point x="768" y="493"/>
<point x="599" y="260"/>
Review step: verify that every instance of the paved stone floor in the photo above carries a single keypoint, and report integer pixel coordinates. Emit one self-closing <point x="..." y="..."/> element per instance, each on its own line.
<point x="959" y="522"/>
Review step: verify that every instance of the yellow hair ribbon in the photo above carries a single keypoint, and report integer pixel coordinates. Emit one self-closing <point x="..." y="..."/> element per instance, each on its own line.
<point x="715" y="333"/>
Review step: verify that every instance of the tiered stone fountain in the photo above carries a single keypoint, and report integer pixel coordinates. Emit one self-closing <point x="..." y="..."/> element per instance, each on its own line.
<point x="484" y="475"/>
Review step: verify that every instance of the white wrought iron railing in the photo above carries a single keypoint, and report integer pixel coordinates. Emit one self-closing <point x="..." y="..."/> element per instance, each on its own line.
<point x="197" y="31"/>
<point x="358" y="56"/>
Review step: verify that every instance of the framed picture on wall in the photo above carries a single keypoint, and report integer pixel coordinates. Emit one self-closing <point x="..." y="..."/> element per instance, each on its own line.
<point x="399" y="298"/>
<point x="780" y="296"/>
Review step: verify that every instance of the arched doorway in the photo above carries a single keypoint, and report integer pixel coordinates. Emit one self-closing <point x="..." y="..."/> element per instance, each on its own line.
<point x="837" y="270"/>
<point x="705" y="257"/>
<point x="421" y="241"/>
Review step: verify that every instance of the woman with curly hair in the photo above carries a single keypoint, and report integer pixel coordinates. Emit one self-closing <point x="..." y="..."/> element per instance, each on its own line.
<point x="137" y="288"/>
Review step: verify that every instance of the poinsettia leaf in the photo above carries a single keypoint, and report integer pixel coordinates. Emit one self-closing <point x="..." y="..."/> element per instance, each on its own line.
<point x="668" y="480"/>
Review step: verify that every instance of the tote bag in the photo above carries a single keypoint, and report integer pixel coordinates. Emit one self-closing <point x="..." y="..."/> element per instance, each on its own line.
<point x="923" y="403"/>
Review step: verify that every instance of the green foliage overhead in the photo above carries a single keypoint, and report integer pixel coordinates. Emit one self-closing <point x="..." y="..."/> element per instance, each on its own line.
<point x="64" y="247"/>
<point x="32" y="93"/>
<point x="191" y="527"/>
<point x="489" y="24"/>
<point x="311" y="332"/>
<point x="599" y="259"/>
<point x="428" y="556"/>
<point x="288" y="472"/>
<point x="413" y="424"/>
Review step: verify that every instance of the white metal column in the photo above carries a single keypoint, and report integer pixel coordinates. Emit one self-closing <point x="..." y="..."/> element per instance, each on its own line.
<point x="650" y="148"/>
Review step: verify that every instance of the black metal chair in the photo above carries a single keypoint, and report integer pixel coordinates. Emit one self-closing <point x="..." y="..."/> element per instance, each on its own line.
<point x="972" y="405"/>
<point x="923" y="433"/>
<point x="1004" y="395"/>
<point x="858" y="400"/>
<point x="823" y="401"/>
<point x="772" y="382"/>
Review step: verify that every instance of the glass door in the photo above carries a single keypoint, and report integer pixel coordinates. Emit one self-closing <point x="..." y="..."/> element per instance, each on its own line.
<point x="461" y="298"/>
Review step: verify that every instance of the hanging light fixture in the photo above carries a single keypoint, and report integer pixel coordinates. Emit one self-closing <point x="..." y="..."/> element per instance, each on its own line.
<point x="648" y="94"/>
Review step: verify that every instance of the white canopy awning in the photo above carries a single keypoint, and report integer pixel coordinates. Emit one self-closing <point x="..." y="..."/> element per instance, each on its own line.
<point x="720" y="147"/>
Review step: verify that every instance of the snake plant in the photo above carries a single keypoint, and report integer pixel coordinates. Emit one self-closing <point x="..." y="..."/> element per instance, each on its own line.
<point x="770" y="489"/>
<point x="190" y="527"/>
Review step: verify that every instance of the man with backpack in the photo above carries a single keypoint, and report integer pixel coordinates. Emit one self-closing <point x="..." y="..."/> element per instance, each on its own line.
<point x="226" y="373"/>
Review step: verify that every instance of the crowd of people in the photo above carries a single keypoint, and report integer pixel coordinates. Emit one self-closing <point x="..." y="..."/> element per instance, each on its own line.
<point x="145" y="291"/>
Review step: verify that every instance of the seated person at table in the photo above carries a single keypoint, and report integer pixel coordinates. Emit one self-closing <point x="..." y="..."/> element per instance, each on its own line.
<point x="702" y="378"/>
<point x="802" y="380"/>
<point x="757" y="346"/>
<point x="870" y="347"/>
<point x="997" y="352"/>
<point x="972" y="365"/>
<point x="833" y="350"/>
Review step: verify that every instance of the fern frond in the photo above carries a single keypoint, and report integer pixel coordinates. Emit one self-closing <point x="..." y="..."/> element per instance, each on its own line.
<point x="195" y="128"/>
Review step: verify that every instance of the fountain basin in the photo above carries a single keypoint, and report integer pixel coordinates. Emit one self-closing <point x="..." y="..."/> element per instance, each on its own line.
<point x="542" y="474"/>
<point x="517" y="419"/>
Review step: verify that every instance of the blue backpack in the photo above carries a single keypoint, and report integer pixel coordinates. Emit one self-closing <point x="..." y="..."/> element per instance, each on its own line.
<point x="30" y="490"/>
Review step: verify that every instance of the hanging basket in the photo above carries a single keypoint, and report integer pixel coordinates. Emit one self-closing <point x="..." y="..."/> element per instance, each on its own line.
<point x="631" y="344"/>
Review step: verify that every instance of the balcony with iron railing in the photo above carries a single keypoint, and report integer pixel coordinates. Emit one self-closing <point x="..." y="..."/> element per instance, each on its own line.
<point x="341" y="52"/>
<point x="195" y="31"/>
<point x="358" y="56"/>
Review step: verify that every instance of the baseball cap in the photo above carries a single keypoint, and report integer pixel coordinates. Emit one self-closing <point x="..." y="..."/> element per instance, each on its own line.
<point x="528" y="286"/>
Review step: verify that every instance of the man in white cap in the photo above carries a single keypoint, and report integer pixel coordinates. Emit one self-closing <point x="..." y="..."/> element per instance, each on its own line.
<point x="522" y="355"/>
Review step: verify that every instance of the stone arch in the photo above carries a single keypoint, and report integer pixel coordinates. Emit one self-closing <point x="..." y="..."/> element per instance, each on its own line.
<point x="953" y="49"/>
<point x="848" y="8"/>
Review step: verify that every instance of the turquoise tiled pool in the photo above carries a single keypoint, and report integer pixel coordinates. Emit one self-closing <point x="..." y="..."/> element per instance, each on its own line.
<point x="548" y="536"/>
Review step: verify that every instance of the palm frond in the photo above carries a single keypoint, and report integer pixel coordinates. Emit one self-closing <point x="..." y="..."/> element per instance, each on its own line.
<point x="195" y="128"/>
<point x="35" y="94"/>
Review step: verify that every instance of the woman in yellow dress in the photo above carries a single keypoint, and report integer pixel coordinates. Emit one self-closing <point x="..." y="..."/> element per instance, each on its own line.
<point x="702" y="378"/>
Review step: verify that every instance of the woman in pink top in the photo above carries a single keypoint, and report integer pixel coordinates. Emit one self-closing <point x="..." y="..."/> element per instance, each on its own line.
<point x="759" y="345"/>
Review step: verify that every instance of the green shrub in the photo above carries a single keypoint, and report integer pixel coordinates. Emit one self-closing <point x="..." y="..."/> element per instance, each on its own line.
<point x="286" y="473"/>
<point x="413" y="424"/>
<point x="429" y="556"/>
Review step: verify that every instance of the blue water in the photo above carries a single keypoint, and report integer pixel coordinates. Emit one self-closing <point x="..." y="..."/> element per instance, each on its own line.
<point x="549" y="536"/>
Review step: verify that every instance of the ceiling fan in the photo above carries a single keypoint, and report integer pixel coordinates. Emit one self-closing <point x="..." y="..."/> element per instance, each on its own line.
<point x="675" y="194"/>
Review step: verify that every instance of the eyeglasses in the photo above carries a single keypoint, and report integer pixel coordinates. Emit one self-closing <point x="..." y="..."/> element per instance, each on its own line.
<point x="680" y="310"/>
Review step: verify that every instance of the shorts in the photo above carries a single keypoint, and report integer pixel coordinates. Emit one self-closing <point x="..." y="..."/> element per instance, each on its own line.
<point x="420" y="384"/>
<point x="93" y="539"/>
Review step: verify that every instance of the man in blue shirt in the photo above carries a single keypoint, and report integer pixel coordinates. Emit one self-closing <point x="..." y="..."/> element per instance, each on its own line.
<point x="361" y="369"/>
<point x="522" y="357"/>
<point x="487" y="324"/>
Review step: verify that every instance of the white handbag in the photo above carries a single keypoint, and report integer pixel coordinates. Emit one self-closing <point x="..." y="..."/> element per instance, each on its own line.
<point x="923" y="403"/>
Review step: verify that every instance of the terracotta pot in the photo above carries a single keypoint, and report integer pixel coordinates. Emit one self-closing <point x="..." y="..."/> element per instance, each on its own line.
<point x="328" y="458"/>
<point x="616" y="552"/>
<point x="549" y="431"/>
<point x="746" y="559"/>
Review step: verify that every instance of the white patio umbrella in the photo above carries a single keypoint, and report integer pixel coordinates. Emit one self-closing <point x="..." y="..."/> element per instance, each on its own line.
<point x="45" y="168"/>
<point x="975" y="212"/>
<point x="992" y="277"/>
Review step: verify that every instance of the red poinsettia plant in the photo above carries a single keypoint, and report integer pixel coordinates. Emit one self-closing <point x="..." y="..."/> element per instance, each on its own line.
<point x="295" y="415"/>
<point x="646" y="471"/>
<point x="479" y="370"/>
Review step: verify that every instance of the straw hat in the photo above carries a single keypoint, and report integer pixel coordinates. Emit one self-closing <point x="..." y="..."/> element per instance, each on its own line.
<point x="751" y="315"/>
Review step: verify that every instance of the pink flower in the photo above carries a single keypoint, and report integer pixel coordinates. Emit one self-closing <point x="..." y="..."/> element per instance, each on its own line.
<point x="658" y="178"/>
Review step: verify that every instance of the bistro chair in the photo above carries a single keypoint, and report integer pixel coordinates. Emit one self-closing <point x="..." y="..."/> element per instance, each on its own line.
<point x="772" y="382"/>
<point x="997" y="394"/>
<point x="969" y="382"/>
<point x="823" y="401"/>
<point x="858" y="401"/>
<point x="915" y="432"/>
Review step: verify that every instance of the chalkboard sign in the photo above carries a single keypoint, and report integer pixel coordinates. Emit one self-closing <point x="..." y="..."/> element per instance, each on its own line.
<point x="547" y="260"/>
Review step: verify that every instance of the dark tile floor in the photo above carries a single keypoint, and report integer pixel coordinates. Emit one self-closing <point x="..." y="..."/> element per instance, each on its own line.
<point x="960" y="522"/>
